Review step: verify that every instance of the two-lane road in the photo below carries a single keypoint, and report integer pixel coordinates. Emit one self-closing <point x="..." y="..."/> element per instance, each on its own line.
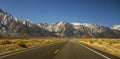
<point x="76" y="50"/>
<point x="42" y="52"/>
<point x="62" y="50"/>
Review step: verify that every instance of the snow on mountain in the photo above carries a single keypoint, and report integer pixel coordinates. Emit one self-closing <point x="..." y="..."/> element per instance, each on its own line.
<point x="81" y="30"/>
<point x="12" y="27"/>
<point x="42" y="25"/>
<point x="116" y="27"/>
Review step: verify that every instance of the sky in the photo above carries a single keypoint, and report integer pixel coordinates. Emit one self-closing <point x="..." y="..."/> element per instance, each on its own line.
<point x="104" y="12"/>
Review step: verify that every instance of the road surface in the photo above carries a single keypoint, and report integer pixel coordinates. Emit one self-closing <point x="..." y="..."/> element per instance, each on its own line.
<point x="61" y="50"/>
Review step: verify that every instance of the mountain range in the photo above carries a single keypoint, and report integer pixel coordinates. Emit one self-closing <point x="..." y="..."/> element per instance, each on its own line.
<point x="12" y="27"/>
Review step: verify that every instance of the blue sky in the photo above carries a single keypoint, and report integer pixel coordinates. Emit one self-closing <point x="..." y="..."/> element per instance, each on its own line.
<point x="104" y="12"/>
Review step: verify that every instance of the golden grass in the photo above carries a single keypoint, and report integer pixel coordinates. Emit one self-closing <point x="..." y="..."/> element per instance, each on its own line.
<point x="12" y="45"/>
<point x="111" y="46"/>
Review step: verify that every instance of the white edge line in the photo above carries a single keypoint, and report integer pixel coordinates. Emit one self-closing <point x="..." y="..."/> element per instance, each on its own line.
<point x="95" y="51"/>
<point x="26" y="50"/>
<point x="18" y="52"/>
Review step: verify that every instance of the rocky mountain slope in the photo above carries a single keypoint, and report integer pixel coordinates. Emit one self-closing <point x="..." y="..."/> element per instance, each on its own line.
<point x="12" y="27"/>
<point x="65" y="29"/>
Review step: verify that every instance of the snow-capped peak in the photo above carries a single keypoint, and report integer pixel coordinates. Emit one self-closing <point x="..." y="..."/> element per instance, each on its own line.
<point x="76" y="23"/>
<point x="85" y="24"/>
<point x="60" y="23"/>
<point x="117" y="27"/>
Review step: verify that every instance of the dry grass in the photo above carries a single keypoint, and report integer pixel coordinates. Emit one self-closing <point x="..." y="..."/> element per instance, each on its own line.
<point x="12" y="45"/>
<point x="108" y="45"/>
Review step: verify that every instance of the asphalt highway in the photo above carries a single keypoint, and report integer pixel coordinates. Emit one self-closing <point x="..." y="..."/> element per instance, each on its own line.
<point x="61" y="50"/>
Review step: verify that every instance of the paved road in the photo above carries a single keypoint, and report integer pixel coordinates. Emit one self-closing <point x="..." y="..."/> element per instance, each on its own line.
<point x="62" y="50"/>
<point x="45" y="52"/>
<point x="75" y="50"/>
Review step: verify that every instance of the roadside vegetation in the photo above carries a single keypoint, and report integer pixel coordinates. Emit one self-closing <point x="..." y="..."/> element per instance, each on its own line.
<point x="111" y="46"/>
<point x="12" y="45"/>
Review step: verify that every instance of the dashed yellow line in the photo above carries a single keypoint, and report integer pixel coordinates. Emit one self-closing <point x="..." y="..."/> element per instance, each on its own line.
<point x="56" y="51"/>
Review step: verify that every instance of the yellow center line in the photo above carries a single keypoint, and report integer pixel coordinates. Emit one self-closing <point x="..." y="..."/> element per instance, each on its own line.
<point x="56" y="51"/>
